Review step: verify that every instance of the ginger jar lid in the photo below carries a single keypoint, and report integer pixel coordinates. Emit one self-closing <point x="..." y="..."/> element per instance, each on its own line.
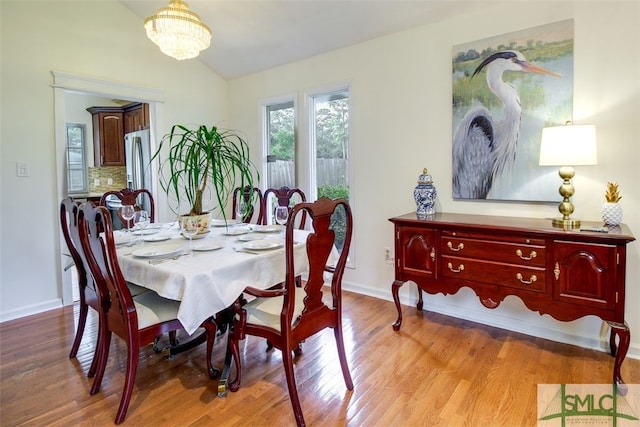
<point x="425" y="178"/>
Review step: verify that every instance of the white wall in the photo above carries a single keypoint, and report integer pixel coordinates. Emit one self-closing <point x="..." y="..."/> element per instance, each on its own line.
<point x="401" y="122"/>
<point x="99" y="39"/>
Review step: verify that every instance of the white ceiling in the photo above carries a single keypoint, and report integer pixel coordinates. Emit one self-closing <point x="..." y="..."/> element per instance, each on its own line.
<point x="255" y="35"/>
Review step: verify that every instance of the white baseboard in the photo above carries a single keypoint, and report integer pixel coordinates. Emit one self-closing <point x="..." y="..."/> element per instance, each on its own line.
<point x="489" y="317"/>
<point x="31" y="309"/>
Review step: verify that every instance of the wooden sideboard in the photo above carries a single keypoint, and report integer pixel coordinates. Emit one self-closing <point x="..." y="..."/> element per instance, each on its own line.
<point x="567" y="274"/>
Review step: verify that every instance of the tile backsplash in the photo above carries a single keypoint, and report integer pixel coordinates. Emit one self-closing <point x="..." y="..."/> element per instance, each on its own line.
<point x="117" y="175"/>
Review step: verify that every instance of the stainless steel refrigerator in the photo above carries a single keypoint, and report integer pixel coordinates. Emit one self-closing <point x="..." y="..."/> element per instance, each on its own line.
<point x="138" y="159"/>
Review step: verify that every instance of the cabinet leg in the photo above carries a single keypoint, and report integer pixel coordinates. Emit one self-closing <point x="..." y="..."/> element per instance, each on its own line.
<point x="613" y="347"/>
<point x="624" y="337"/>
<point x="395" y="287"/>
<point x="420" y="302"/>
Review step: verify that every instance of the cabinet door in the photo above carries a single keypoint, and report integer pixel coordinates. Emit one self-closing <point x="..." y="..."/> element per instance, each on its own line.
<point x="136" y="118"/>
<point x="586" y="274"/>
<point x="111" y="139"/>
<point x="416" y="253"/>
<point x="129" y="122"/>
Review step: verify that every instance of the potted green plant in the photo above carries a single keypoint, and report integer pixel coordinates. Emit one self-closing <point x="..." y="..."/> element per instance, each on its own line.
<point x="201" y="162"/>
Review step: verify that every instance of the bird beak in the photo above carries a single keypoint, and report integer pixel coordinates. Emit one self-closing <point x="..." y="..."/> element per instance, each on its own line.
<point x="527" y="66"/>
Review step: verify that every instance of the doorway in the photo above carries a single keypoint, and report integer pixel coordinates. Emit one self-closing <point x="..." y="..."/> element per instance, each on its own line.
<point x="67" y="82"/>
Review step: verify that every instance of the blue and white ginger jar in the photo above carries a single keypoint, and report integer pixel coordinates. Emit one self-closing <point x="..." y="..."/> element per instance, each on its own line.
<point x="425" y="195"/>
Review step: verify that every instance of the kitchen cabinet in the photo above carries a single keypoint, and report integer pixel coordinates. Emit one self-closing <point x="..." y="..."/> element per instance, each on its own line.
<point x="108" y="136"/>
<point x="136" y="117"/>
<point x="567" y="274"/>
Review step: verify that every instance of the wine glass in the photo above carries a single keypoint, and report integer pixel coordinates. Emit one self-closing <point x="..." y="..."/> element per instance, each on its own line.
<point x="127" y="212"/>
<point x="241" y="209"/>
<point x="282" y="215"/>
<point x="190" y="227"/>
<point x="141" y="219"/>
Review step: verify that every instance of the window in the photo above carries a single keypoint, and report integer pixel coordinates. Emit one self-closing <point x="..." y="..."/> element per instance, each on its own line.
<point x="76" y="161"/>
<point x="322" y="168"/>
<point x="281" y="151"/>
<point x="329" y="140"/>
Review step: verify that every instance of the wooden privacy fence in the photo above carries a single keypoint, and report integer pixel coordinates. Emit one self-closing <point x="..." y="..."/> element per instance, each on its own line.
<point x="332" y="172"/>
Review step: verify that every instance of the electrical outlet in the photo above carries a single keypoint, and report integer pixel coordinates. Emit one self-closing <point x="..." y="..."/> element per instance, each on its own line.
<point x="96" y="182"/>
<point x="387" y="255"/>
<point x="109" y="181"/>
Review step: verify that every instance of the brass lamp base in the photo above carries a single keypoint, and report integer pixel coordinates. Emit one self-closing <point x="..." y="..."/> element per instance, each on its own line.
<point x="566" y="223"/>
<point x="566" y="207"/>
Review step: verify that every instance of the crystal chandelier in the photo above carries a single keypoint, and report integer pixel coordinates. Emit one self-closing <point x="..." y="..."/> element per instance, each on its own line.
<point x="178" y="31"/>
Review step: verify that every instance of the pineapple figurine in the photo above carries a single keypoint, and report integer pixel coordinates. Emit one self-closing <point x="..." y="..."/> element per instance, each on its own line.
<point x="612" y="210"/>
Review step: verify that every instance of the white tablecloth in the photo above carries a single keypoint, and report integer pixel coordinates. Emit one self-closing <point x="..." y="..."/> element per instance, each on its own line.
<point x="206" y="282"/>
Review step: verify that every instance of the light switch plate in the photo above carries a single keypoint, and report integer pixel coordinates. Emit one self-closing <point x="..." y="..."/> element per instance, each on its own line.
<point x="22" y="169"/>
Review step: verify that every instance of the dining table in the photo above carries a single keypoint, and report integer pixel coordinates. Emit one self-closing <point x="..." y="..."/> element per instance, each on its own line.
<point x="208" y="273"/>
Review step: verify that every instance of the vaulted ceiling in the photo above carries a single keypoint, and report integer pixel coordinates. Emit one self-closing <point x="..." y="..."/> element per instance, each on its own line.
<point x="252" y="36"/>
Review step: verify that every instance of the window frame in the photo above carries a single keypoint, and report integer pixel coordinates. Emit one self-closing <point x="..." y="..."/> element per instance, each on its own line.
<point x="311" y="145"/>
<point x="84" y="166"/>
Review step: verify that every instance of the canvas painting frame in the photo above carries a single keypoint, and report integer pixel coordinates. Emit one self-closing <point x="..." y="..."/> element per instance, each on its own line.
<point x="544" y="99"/>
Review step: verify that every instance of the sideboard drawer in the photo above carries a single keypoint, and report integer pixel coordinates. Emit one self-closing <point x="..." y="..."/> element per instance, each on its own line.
<point x="494" y="273"/>
<point x="532" y="255"/>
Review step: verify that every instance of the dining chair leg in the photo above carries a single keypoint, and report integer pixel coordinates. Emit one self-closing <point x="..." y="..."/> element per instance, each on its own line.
<point x="343" y="357"/>
<point x="133" y="354"/>
<point x="287" y="360"/>
<point x="103" y="352"/>
<point x="82" y="321"/>
<point x="96" y="353"/>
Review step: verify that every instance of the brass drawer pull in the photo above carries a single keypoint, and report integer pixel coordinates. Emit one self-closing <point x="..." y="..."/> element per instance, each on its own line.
<point x="531" y="280"/>
<point x="459" y="248"/>
<point x="531" y="256"/>
<point x="433" y="254"/>
<point x="454" y="270"/>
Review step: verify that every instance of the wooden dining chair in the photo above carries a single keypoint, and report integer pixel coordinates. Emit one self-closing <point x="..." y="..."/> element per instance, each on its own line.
<point x="283" y="196"/>
<point x="136" y="320"/>
<point x="287" y="316"/>
<point x="131" y="197"/>
<point x="251" y="196"/>
<point x="88" y="292"/>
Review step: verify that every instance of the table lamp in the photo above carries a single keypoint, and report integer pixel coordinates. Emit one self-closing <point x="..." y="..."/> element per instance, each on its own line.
<point x="568" y="146"/>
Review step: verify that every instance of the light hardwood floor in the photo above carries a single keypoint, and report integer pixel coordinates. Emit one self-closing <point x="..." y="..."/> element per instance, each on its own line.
<point x="437" y="370"/>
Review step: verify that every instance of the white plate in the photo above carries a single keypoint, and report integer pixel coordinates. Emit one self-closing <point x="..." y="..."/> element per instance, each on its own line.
<point x="155" y="225"/>
<point x="268" y="228"/>
<point x="264" y="244"/>
<point x="223" y="223"/>
<point x="250" y="237"/>
<point x="156" y="252"/>
<point x="209" y="246"/>
<point x="121" y="238"/>
<point x="156" y="238"/>
<point x="237" y="231"/>
<point x="197" y="236"/>
<point x="144" y="232"/>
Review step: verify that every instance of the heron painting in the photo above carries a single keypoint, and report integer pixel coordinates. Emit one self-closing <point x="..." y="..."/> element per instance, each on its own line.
<point x="503" y="96"/>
